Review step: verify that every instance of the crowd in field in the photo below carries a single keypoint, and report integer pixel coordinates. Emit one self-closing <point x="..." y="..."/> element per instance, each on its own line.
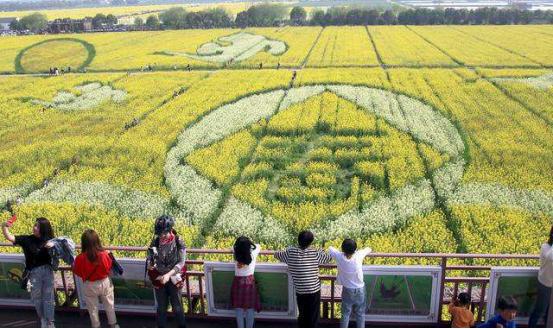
<point x="165" y="267"/>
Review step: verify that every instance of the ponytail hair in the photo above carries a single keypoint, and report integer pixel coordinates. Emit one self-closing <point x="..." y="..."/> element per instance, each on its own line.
<point x="550" y="241"/>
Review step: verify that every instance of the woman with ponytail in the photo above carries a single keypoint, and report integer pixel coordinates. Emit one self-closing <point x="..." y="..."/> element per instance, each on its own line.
<point x="545" y="282"/>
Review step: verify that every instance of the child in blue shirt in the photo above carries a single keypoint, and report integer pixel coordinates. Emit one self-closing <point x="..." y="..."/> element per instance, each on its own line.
<point x="505" y="318"/>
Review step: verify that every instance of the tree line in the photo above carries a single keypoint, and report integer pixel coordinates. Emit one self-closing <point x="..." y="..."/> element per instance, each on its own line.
<point x="38" y="22"/>
<point x="266" y="15"/>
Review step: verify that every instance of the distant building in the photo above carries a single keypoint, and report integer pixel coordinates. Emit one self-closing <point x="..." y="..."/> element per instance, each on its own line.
<point x="5" y="23"/>
<point x="68" y="25"/>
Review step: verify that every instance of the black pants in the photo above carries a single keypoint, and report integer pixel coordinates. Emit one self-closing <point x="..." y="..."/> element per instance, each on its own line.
<point x="309" y="306"/>
<point x="164" y="295"/>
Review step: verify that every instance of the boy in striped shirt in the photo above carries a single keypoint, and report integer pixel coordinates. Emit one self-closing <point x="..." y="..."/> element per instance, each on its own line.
<point x="303" y="265"/>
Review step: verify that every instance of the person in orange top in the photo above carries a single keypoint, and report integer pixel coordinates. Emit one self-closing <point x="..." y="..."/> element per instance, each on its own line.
<point x="461" y="316"/>
<point x="93" y="266"/>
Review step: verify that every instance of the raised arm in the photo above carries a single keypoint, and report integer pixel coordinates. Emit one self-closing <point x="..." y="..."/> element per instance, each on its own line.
<point x="256" y="251"/>
<point x="323" y="257"/>
<point x="282" y="256"/>
<point x="6" y="232"/>
<point x="364" y="252"/>
<point x="333" y="252"/>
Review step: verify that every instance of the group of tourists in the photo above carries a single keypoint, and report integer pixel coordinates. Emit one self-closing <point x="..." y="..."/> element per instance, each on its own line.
<point x="57" y="71"/>
<point x="166" y="269"/>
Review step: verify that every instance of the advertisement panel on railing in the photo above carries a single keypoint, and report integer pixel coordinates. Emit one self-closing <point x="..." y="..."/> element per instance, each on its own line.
<point x="132" y="293"/>
<point x="273" y="282"/>
<point x="521" y="283"/>
<point x="11" y="273"/>
<point x="402" y="293"/>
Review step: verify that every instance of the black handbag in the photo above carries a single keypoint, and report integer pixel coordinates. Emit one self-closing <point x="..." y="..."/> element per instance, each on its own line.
<point x="116" y="268"/>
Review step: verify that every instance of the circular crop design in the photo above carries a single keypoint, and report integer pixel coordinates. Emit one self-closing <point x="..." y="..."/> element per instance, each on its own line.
<point x="339" y="159"/>
<point x="61" y="53"/>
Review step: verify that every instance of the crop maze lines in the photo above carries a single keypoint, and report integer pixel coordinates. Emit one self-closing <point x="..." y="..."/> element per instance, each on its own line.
<point x="114" y="141"/>
<point x="522" y="103"/>
<point x="378" y="57"/>
<point x="325" y="50"/>
<point x="460" y="63"/>
<point x="306" y="59"/>
<point x="452" y="222"/>
<point x="208" y="224"/>
<point x="497" y="45"/>
<point x="519" y="123"/>
<point x="63" y="165"/>
<point x="333" y="49"/>
<point x="441" y="203"/>
<point x="176" y="94"/>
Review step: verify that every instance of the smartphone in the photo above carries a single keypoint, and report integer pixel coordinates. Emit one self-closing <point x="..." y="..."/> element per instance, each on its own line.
<point x="12" y="220"/>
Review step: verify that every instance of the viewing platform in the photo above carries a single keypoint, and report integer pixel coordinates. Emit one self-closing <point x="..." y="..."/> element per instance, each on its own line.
<point x="408" y="295"/>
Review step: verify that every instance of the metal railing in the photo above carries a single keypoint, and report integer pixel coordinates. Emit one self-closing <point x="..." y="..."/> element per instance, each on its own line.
<point x="464" y="277"/>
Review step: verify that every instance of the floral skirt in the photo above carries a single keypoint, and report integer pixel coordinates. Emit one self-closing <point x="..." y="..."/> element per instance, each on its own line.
<point x="243" y="293"/>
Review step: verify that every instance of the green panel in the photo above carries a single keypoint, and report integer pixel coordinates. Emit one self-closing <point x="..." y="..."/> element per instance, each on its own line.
<point x="222" y="281"/>
<point x="133" y="292"/>
<point x="273" y="291"/>
<point x="398" y="294"/>
<point x="10" y="278"/>
<point x="272" y="287"/>
<point x="523" y="288"/>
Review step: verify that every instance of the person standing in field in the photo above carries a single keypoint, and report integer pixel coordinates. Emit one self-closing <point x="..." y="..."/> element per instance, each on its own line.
<point x="461" y="316"/>
<point x="350" y="276"/>
<point x="38" y="275"/>
<point x="167" y="260"/>
<point x="93" y="266"/>
<point x="303" y="264"/>
<point x="244" y="295"/>
<point x="545" y="282"/>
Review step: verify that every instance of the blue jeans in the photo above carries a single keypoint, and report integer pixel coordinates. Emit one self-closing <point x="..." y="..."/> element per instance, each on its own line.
<point x="42" y="294"/>
<point x="353" y="303"/>
<point x="541" y="307"/>
<point x="240" y="313"/>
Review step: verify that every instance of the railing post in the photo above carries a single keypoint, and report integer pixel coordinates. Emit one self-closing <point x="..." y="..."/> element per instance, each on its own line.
<point x="202" y="295"/>
<point x="188" y="294"/>
<point x="65" y="289"/>
<point x="481" y="302"/>
<point x="332" y="286"/>
<point x="443" y="265"/>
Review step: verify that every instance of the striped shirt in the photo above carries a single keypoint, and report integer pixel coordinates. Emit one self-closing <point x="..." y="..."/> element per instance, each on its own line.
<point x="303" y="265"/>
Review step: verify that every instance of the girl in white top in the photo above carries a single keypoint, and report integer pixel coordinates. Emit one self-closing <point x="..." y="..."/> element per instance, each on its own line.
<point x="545" y="282"/>
<point x="244" y="295"/>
